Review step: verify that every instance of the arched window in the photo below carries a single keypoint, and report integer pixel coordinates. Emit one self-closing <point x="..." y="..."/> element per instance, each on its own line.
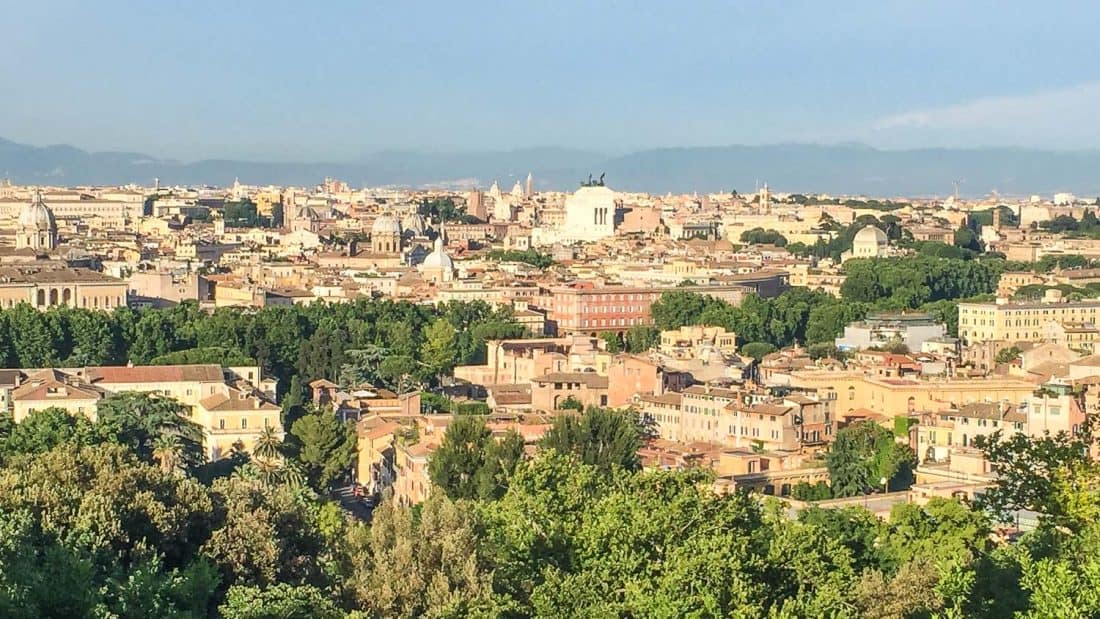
<point x="41" y="298"/>
<point x="67" y="296"/>
<point x="53" y="296"/>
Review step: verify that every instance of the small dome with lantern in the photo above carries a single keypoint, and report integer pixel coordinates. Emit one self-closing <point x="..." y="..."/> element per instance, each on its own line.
<point x="37" y="226"/>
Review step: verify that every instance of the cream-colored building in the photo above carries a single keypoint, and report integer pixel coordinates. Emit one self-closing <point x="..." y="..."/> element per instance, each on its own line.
<point x="732" y="418"/>
<point x="1021" y="322"/>
<point x="891" y="397"/>
<point x="940" y="431"/>
<point x="231" y="405"/>
<point x="412" y="483"/>
<point x="81" y="205"/>
<point x="49" y="388"/>
<point x="1011" y="281"/>
<point x="1079" y="336"/>
<point x="375" y="458"/>
<point x="45" y="284"/>
<point x="591" y="214"/>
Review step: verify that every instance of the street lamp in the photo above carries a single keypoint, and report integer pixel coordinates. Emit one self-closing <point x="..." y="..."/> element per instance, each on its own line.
<point x="883" y="482"/>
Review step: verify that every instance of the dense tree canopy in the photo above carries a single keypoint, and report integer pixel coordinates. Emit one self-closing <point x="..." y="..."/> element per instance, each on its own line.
<point x="470" y="463"/>
<point x="612" y="342"/>
<point x="601" y="437"/>
<point x="863" y="455"/>
<point x="309" y="341"/>
<point x="43" y="430"/>
<point x="96" y="531"/>
<point x="760" y="236"/>
<point x="244" y="214"/>
<point x="324" y="445"/>
<point x="444" y="210"/>
<point x="797" y="316"/>
<point x="908" y="283"/>
<point x="156" y="428"/>
<point x="227" y="357"/>
<point x="641" y="338"/>
<point x="532" y="257"/>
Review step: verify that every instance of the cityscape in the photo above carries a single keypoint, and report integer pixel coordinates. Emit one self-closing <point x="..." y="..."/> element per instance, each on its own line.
<point x="519" y="385"/>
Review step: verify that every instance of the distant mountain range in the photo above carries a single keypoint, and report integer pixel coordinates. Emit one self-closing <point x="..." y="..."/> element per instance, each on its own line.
<point x="836" y="169"/>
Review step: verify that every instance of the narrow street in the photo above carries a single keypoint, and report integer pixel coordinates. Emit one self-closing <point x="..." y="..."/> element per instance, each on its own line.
<point x="352" y="504"/>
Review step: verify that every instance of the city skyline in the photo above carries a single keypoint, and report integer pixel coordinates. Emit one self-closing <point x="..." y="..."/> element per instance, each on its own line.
<point x="337" y="82"/>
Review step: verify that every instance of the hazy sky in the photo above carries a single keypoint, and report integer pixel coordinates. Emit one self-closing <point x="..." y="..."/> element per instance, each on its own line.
<point x="331" y="80"/>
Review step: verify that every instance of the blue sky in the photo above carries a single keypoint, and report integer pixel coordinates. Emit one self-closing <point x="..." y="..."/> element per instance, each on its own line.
<point x="332" y="80"/>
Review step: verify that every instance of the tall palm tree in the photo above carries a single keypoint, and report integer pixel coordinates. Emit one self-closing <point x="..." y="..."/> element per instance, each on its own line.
<point x="268" y="446"/>
<point x="292" y="474"/>
<point x="268" y="471"/>
<point x="168" y="452"/>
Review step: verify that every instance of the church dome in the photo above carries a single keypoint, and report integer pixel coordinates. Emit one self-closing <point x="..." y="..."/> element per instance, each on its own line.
<point x="438" y="259"/>
<point x="37" y="215"/>
<point x="306" y="213"/>
<point x="386" y="224"/>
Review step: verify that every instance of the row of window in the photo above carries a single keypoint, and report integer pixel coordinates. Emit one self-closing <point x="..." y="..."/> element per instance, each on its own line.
<point x="621" y="322"/>
<point x="65" y="297"/>
<point x="754" y="432"/>
<point x="611" y="309"/>
<point x="244" y="423"/>
<point x="965" y="421"/>
<point x="1035" y="312"/>
<point x="622" y="297"/>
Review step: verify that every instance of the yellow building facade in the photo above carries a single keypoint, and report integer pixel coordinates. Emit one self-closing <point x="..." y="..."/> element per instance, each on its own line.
<point x="893" y="397"/>
<point x="232" y="406"/>
<point x="1020" y="322"/>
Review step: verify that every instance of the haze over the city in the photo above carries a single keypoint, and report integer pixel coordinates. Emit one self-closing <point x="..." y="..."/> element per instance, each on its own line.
<point x="337" y="80"/>
<point x="360" y="310"/>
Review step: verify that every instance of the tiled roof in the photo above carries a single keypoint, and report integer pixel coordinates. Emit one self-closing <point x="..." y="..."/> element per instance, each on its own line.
<point x="55" y="385"/>
<point x="155" y="373"/>
<point x="236" y="400"/>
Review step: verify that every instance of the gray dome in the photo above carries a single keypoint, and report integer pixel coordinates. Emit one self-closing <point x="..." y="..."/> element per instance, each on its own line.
<point x="871" y="234"/>
<point x="37" y="215"/>
<point x="386" y="224"/>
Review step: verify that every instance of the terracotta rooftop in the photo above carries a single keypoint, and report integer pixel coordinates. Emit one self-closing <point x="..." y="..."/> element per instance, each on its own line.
<point x="236" y="400"/>
<point x="673" y="399"/>
<point x="155" y="373"/>
<point x="55" y="385"/>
